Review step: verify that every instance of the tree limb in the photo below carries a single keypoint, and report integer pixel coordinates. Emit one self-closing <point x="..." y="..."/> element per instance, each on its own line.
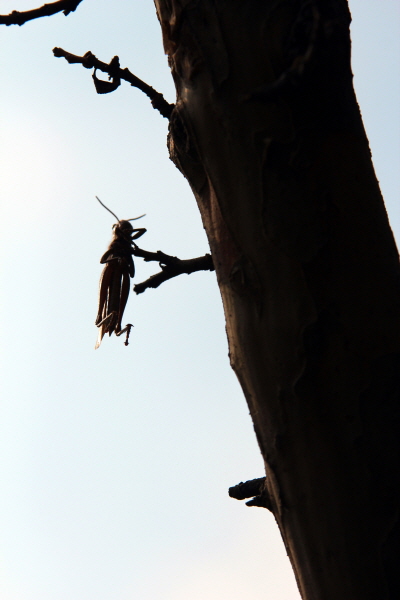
<point x="89" y="61"/>
<point x="247" y="489"/>
<point x="171" y="267"/>
<point x="19" y="18"/>
<point x="253" y="487"/>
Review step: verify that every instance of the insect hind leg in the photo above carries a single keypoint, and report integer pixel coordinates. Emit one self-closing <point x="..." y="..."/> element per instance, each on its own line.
<point x="127" y="330"/>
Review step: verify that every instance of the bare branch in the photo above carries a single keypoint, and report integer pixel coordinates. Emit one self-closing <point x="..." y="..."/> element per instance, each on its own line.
<point x="19" y="18"/>
<point x="89" y="61"/>
<point x="171" y="266"/>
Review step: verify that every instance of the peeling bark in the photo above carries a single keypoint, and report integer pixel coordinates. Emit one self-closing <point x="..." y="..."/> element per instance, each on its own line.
<point x="268" y="133"/>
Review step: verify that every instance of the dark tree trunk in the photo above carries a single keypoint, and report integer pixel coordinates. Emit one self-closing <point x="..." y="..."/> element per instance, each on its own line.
<point x="268" y="133"/>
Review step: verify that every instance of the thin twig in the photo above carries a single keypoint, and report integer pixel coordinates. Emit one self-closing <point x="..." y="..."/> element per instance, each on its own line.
<point x="171" y="266"/>
<point x="19" y="18"/>
<point x="89" y="61"/>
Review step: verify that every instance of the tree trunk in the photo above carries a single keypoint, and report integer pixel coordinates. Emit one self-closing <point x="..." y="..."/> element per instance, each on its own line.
<point x="268" y="133"/>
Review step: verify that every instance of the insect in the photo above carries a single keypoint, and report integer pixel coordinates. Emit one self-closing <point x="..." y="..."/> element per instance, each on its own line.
<point x="114" y="280"/>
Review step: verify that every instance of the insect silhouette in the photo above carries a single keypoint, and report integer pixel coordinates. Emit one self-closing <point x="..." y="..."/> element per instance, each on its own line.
<point x="115" y="279"/>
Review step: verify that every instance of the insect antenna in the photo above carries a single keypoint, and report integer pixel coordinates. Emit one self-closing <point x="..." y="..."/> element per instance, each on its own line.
<point x="135" y="218"/>
<point x="110" y="211"/>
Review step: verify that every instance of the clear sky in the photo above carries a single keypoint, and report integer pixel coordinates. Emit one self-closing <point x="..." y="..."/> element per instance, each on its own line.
<point x="115" y="463"/>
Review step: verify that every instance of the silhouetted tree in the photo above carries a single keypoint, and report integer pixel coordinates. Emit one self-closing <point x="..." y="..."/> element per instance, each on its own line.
<point x="267" y="131"/>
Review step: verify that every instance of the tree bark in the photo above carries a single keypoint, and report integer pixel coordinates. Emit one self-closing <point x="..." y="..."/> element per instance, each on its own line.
<point x="268" y="133"/>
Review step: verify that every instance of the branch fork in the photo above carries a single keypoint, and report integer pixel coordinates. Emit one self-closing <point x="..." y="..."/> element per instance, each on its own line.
<point x="171" y="266"/>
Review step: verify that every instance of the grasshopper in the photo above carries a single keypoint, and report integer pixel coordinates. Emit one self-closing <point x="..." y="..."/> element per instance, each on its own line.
<point x="114" y="280"/>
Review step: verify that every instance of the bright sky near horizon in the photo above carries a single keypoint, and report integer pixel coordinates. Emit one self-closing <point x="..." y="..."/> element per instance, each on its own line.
<point x="115" y="464"/>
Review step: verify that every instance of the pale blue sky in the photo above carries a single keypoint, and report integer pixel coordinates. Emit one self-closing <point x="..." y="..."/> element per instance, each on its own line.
<point x="115" y="464"/>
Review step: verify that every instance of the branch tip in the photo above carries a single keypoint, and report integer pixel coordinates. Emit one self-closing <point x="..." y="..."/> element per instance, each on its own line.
<point x="47" y="10"/>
